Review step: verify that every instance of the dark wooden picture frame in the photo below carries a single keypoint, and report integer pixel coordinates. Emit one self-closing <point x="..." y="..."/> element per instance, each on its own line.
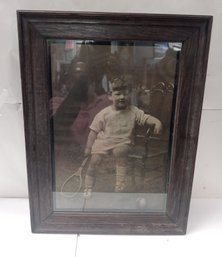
<point x="35" y="29"/>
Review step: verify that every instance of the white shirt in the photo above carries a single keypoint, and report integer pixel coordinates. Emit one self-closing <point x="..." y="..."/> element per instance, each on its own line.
<point x="115" y="127"/>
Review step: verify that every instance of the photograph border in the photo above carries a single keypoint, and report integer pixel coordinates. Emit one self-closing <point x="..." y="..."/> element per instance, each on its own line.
<point x="35" y="28"/>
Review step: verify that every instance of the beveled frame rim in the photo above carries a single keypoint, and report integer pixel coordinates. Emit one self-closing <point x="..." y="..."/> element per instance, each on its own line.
<point x="35" y="27"/>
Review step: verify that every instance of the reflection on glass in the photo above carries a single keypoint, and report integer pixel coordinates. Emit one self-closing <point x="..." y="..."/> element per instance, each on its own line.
<point x="111" y="108"/>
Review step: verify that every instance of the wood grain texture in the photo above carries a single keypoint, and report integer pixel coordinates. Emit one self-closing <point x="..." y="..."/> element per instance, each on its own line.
<point x="34" y="30"/>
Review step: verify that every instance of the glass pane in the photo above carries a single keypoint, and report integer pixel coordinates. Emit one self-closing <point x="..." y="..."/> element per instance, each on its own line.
<point x="111" y="108"/>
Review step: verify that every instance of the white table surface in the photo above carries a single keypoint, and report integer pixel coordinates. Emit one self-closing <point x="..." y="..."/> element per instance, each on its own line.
<point x="203" y="238"/>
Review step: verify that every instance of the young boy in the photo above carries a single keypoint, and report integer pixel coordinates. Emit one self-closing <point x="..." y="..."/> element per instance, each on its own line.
<point x="111" y="131"/>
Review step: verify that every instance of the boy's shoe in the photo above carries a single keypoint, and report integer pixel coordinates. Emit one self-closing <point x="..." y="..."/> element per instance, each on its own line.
<point x="87" y="193"/>
<point x="120" y="188"/>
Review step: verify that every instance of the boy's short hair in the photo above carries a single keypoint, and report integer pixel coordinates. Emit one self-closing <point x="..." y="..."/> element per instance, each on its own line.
<point x="121" y="83"/>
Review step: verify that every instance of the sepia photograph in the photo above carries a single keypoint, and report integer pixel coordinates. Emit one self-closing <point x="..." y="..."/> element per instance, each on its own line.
<point x="112" y="105"/>
<point x="111" y="109"/>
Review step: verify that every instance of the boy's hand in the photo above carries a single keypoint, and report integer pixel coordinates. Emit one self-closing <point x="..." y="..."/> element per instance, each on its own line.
<point x="87" y="152"/>
<point x="155" y="124"/>
<point x="157" y="128"/>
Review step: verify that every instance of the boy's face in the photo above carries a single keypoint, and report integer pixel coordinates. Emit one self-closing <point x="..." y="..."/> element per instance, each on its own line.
<point x="121" y="99"/>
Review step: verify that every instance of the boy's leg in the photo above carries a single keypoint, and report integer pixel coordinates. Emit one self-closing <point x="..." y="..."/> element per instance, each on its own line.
<point x="121" y="156"/>
<point x="90" y="177"/>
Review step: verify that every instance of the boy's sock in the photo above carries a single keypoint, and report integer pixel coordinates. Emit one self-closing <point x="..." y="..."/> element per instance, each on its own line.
<point x="120" y="178"/>
<point x="89" y="181"/>
<point x="89" y="184"/>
